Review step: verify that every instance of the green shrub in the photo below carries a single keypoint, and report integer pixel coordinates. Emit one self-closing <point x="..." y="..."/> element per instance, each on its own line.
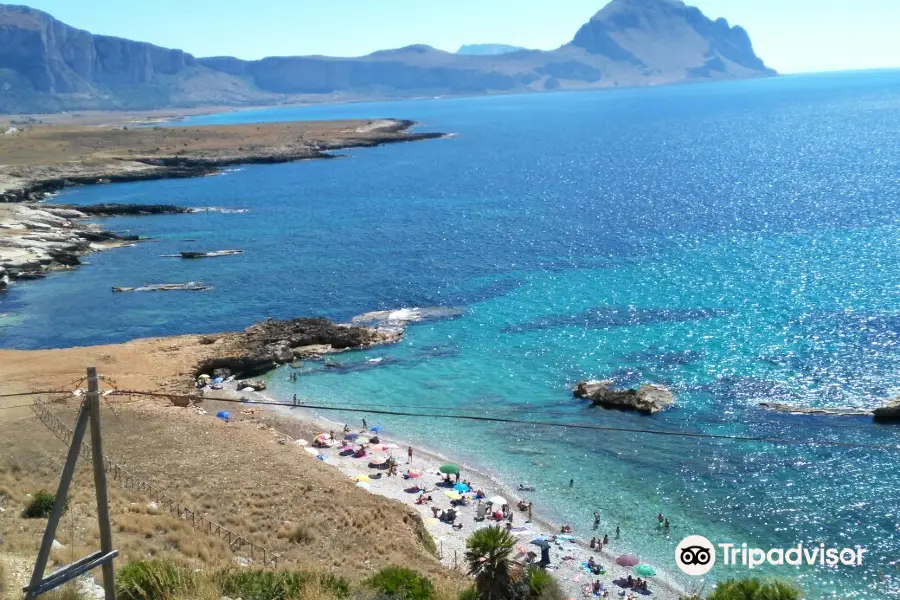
<point x="755" y="589"/>
<point x="153" y="580"/>
<point x="470" y="593"/>
<point x="41" y="506"/>
<point x="276" y="585"/>
<point x="542" y="586"/>
<point x="400" y="583"/>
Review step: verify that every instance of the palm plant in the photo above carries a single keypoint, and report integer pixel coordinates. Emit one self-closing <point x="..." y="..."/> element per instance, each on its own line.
<point x="488" y="552"/>
<point x="755" y="589"/>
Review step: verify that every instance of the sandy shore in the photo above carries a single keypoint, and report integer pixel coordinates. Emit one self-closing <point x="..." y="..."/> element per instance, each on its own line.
<point x="567" y="556"/>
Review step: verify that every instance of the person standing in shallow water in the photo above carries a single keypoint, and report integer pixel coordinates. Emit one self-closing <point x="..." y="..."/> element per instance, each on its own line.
<point x="617" y="532"/>
<point x="571" y="483"/>
<point x="596" y="519"/>
<point x="365" y="425"/>
<point x="409" y="454"/>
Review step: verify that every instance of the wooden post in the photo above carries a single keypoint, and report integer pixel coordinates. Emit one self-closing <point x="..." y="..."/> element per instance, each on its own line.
<point x="89" y="412"/>
<point x="59" y="503"/>
<point x="93" y="400"/>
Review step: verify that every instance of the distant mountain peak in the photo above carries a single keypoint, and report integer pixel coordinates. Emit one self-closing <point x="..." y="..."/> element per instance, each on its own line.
<point x="656" y="33"/>
<point x="48" y="66"/>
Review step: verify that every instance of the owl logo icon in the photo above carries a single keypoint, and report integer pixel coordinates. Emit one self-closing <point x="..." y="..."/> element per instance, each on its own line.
<point x="695" y="555"/>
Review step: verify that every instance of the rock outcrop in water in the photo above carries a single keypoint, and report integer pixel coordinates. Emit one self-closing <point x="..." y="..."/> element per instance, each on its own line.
<point x="805" y="410"/>
<point x="647" y="399"/>
<point x="889" y="413"/>
<point x="265" y="345"/>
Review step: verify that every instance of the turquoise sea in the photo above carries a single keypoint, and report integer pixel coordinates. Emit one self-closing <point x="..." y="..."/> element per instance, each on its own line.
<point x="737" y="242"/>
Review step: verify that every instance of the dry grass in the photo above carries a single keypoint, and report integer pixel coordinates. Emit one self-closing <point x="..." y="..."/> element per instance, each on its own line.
<point x="44" y="144"/>
<point x="236" y="474"/>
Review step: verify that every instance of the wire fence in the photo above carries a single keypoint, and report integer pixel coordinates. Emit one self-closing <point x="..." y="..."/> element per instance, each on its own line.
<point x="236" y="542"/>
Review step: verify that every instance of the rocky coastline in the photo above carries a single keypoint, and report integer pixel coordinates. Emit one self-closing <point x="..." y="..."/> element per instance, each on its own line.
<point x="38" y="240"/>
<point x="183" y="152"/>
<point x="264" y="346"/>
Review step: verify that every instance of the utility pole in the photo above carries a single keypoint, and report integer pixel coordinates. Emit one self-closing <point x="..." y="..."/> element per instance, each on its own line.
<point x="89" y="412"/>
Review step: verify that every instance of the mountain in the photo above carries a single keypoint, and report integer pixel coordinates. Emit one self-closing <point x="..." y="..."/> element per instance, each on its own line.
<point x="487" y="49"/>
<point x="48" y="66"/>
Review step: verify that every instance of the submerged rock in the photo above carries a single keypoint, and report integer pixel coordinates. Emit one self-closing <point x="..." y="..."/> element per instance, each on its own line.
<point x="647" y="399"/>
<point x="404" y="316"/>
<point x="805" y="410"/>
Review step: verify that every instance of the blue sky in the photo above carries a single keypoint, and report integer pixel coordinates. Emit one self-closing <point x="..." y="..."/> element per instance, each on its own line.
<point x="790" y="35"/>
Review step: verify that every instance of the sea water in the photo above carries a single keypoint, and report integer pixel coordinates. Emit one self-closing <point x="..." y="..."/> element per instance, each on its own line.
<point x="736" y="242"/>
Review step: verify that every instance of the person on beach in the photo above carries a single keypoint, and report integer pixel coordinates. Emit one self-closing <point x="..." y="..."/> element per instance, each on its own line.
<point x="346" y="428"/>
<point x="409" y="453"/>
<point x="666" y="525"/>
<point x="529" y="511"/>
<point x="365" y="425"/>
<point x="617" y="532"/>
<point x="295" y="399"/>
<point x="457" y="478"/>
<point x="596" y="519"/>
<point x="605" y="539"/>
<point x="571" y="483"/>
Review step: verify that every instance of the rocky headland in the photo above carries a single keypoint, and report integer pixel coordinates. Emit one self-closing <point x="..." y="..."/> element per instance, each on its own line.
<point x="38" y="160"/>
<point x="647" y="399"/>
<point x="37" y="240"/>
<point x="270" y="343"/>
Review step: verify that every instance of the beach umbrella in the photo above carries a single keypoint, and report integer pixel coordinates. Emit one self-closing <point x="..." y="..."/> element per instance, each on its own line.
<point x="644" y="571"/>
<point x="363" y="477"/>
<point x="323" y="437"/>
<point x="453" y="495"/>
<point x="377" y="448"/>
<point x="497" y="500"/>
<point x="413" y="473"/>
<point x="364" y="485"/>
<point x="461" y="487"/>
<point x="218" y="380"/>
<point x="377" y="460"/>
<point x="627" y="560"/>
<point x="224" y="415"/>
<point x="449" y="469"/>
<point x="204" y="376"/>
<point x="376" y="429"/>
<point x="541" y="543"/>
<point x="351" y="436"/>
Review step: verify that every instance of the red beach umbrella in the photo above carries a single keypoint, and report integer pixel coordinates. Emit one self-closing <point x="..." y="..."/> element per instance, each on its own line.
<point x="627" y="560"/>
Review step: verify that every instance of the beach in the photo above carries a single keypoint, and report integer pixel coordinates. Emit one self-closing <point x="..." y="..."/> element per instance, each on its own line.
<point x="569" y="554"/>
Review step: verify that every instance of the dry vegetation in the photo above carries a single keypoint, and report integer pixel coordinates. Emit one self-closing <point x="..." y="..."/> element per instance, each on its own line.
<point x="236" y="474"/>
<point x="46" y="144"/>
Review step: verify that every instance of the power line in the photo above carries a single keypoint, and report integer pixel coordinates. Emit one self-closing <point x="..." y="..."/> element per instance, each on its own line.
<point x="510" y="421"/>
<point x="16" y="406"/>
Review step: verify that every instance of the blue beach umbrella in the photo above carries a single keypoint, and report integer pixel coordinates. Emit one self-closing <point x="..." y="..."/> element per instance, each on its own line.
<point x="376" y="429"/>
<point x="461" y="487"/>
<point x="224" y="415"/>
<point x="218" y="380"/>
<point x="541" y="542"/>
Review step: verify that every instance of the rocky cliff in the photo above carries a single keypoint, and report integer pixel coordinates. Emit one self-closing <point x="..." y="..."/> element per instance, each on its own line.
<point x="46" y="66"/>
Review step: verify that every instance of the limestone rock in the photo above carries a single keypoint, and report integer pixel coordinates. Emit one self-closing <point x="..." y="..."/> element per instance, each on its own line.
<point x="889" y="413"/>
<point x="647" y="399"/>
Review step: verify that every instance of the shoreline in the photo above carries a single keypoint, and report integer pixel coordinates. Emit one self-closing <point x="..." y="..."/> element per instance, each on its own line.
<point x="451" y="543"/>
<point x="117" y="154"/>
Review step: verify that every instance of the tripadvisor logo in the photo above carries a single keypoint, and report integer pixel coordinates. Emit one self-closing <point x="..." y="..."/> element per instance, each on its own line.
<point x="696" y="555"/>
